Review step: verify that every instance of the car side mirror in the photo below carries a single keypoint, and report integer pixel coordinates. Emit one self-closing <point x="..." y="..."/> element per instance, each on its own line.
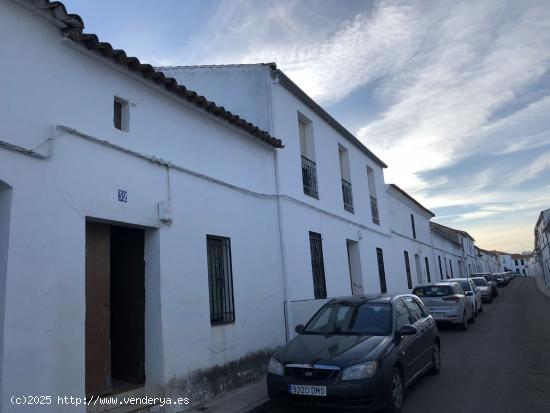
<point x="299" y="328"/>
<point x="407" y="330"/>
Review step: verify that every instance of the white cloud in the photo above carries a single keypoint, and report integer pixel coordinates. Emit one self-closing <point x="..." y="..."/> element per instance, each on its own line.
<point x="485" y="54"/>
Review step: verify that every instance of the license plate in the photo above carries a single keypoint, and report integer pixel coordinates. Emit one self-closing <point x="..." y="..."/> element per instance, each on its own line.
<point x="307" y="390"/>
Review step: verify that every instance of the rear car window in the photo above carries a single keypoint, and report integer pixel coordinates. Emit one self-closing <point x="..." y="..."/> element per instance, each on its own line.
<point x="480" y="282"/>
<point x="465" y="285"/>
<point x="433" y="291"/>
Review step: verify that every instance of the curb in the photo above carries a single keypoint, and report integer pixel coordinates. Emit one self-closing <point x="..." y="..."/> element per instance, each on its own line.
<point x="257" y="407"/>
<point x="543" y="289"/>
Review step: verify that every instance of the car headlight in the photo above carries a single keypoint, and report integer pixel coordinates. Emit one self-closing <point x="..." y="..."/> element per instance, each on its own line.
<point x="360" y="371"/>
<point x="274" y="367"/>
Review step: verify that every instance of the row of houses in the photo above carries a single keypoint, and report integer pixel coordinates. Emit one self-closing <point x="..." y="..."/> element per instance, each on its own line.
<point x="539" y="262"/>
<point x="158" y="241"/>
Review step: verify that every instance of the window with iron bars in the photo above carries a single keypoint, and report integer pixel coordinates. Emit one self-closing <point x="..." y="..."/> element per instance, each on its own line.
<point x="220" y="280"/>
<point x="347" y="195"/>
<point x="317" y="265"/>
<point x="309" y="177"/>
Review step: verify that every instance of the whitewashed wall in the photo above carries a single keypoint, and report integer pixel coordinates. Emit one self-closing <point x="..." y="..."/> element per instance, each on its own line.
<point x="400" y="210"/>
<point x="299" y="212"/>
<point x="58" y="83"/>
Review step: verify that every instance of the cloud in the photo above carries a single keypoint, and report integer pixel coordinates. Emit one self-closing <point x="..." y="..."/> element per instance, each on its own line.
<point x="484" y="55"/>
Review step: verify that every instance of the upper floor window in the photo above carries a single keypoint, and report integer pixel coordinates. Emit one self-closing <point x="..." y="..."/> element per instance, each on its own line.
<point x="413" y="227"/>
<point x="345" y="177"/>
<point x="307" y="152"/>
<point x="121" y="114"/>
<point x="373" y="199"/>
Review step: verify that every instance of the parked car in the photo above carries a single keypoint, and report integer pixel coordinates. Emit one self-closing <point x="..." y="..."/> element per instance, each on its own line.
<point x="484" y="287"/>
<point x="500" y="279"/>
<point x="359" y="351"/>
<point x="446" y="302"/>
<point x="490" y="280"/>
<point x="473" y="294"/>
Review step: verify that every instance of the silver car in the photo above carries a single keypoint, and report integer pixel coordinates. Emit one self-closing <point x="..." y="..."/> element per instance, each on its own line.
<point x="484" y="287"/>
<point x="446" y="302"/>
<point x="473" y="293"/>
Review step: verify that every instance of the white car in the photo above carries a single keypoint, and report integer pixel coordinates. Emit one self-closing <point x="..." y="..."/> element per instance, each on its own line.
<point x="473" y="293"/>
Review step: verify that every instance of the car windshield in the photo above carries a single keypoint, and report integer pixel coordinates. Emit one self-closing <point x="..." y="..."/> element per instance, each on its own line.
<point x="360" y="319"/>
<point x="480" y="282"/>
<point x="487" y="277"/>
<point x="465" y="285"/>
<point x="434" y="291"/>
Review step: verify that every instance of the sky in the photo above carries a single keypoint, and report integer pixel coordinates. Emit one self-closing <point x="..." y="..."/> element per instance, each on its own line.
<point x="453" y="96"/>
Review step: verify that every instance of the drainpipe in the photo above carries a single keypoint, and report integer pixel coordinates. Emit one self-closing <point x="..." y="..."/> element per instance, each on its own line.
<point x="286" y="309"/>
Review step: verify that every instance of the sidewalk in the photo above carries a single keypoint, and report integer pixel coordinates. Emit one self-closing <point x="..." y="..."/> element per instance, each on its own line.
<point x="245" y="399"/>
<point x="542" y="287"/>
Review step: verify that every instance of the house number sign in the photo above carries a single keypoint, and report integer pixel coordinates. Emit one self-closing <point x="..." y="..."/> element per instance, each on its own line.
<point x="122" y="196"/>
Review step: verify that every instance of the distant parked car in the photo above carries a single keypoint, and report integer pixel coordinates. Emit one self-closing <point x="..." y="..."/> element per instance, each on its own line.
<point x="360" y="352"/>
<point x="490" y="280"/>
<point x="447" y="303"/>
<point x="500" y="279"/>
<point x="473" y="294"/>
<point x="484" y="287"/>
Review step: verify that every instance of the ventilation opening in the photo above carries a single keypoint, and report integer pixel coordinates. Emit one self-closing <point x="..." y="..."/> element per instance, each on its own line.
<point x="115" y="308"/>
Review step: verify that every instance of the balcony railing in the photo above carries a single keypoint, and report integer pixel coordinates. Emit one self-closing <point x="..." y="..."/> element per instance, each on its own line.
<point x="309" y="177"/>
<point x="347" y="195"/>
<point x="374" y="210"/>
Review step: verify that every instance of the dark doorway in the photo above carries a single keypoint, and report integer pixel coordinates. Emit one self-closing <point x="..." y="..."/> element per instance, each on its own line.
<point x="115" y="308"/>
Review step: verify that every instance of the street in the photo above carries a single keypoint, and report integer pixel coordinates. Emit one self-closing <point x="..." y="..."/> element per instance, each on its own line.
<point x="501" y="364"/>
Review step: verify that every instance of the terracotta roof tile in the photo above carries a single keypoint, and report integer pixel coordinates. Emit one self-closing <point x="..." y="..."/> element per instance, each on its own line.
<point x="72" y="27"/>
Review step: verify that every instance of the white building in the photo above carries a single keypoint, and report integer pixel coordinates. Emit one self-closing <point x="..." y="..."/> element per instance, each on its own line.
<point x="331" y="187"/>
<point x="448" y="251"/>
<point x="488" y="261"/>
<point x="410" y="227"/>
<point x="520" y="262"/>
<point x="152" y="242"/>
<point x="139" y="229"/>
<point x="541" y="252"/>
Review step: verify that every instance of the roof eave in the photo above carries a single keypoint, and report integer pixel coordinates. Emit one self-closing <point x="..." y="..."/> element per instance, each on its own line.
<point x="293" y="88"/>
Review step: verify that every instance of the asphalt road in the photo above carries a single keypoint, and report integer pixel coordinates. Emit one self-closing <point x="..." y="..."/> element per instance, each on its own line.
<point x="500" y="365"/>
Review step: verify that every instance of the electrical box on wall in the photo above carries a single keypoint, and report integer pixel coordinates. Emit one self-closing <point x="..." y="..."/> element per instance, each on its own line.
<point x="165" y="212"/>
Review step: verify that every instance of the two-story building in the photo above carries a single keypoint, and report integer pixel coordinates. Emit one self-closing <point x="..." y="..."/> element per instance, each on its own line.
<point x="520" y="262"/>
<point x="542" y="246"/>
<point x="411" y="236"/>
<point x="488" y="261"/>
<point x="331" y="187"/>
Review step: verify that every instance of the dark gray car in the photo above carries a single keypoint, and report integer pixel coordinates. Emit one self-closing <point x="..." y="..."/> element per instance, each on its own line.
<point x="357" y="352"/>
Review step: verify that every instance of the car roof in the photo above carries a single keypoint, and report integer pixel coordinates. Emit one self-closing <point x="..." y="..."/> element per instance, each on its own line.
<point x="373" y="298"/>
<point x="439" y="283"/>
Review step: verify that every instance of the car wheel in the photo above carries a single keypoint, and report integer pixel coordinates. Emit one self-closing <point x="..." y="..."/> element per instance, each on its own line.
<point x="436" y="359"/>
<point x="464" y="325"/>
<point x="396" y="393"/>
